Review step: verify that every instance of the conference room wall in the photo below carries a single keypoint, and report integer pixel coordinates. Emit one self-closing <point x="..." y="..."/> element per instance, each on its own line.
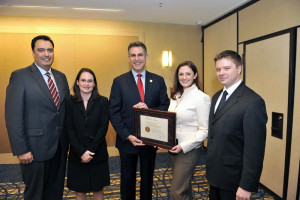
<point x="267" y="17"/>
<point x="256" y="22"/>
<point x="295" y="146"/>
<point x="98" y="44"/>
<point x="220" y="36"/>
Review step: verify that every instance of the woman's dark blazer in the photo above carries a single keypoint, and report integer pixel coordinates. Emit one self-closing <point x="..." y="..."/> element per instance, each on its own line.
<point x="87" y="128"/>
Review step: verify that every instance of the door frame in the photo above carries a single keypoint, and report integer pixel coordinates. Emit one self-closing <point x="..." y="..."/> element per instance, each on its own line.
<point x="291" y="94"/>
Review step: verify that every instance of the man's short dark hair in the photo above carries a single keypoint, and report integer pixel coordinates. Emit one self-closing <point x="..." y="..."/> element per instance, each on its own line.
<point x="137" y="44"/>
<point x="229" y="54"/>
<point x="40" y="37"/>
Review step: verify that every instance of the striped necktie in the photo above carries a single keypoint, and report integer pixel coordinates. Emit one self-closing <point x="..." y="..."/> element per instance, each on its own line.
<point x="53" y="90"/>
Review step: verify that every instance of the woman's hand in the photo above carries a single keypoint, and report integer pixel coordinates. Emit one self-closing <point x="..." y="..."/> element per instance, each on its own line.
<point x="87" y="156"/>
<point x="176" y="149"/>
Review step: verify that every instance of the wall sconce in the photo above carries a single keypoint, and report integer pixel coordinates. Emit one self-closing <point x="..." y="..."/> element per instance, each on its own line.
<point x="167" y="59"/>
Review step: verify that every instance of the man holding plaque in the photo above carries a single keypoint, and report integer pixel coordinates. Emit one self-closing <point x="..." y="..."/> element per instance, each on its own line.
<point x="137" y="88"/>
<point x="236" y="134"/>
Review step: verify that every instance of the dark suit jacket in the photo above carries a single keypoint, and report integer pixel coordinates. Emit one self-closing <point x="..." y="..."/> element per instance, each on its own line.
<point x="124" y="94"/>
<point x="33" y="122"/>
<point x="236" y="141"/>
<point x="87" y="128"/>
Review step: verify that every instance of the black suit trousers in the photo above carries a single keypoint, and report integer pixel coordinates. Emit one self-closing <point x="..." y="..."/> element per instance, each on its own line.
<point x="44" y="180"/>
<point x="219" y="194"/>
<point x="147" y="156"/>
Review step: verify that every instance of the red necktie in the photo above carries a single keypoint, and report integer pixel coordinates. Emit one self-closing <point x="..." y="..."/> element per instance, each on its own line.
<point x="140" y="87"/>
<point x="53" y="90"/>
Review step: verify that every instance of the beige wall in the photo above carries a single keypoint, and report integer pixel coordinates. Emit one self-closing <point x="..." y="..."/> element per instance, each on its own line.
<point x="268" y="16"/>
<point x="263" y="18"/>
<point x="276" y="63"/>
<point x="259" y="19"/>
<point x="294" y="165"/>
<point x="98" y="44"/>
<point x="218" y="37"/>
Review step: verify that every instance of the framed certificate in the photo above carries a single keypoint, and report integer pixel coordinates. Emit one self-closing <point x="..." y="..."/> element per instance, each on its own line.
<point x="155" y="127"/>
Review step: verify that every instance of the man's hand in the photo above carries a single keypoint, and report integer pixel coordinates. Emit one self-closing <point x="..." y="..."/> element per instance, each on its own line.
<point x="134" y="141"/>
<point x="141" y="105"/>
<point x="176" y="149"/>
<point x="242" y="194"/>
<point x="87" y="156"/>
<point x="25" y="158"/>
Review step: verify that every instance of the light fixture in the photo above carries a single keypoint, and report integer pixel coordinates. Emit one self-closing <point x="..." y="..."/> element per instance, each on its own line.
<point x="31" y="6"/>
<point x="100" y="9"/>
<point x="65" y="7"/>
<point x="167" y="59"/>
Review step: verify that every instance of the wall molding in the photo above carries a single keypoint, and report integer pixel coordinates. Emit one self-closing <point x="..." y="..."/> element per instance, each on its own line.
<point x="73" y="31"/>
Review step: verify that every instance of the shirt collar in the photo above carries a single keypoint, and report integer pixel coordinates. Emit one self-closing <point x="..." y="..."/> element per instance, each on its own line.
<point x="232" y="88"/>
<point x="187" y="90"/>
<point x="135" y="73"/>
<point x="190" y="88"/>
<point x="43" y="72"/>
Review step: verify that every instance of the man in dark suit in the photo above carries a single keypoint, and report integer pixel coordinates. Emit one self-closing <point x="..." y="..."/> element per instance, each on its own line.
<point x="236" y="135"/>
<point x="35" y="119"/>
<point x="140" y="89"/>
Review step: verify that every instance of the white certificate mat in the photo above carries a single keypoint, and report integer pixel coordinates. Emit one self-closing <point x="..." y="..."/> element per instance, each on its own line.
<point x="154" y="128"/>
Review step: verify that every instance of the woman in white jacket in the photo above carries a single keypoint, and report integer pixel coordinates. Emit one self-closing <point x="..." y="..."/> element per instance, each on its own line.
<point x="192" y="110"/>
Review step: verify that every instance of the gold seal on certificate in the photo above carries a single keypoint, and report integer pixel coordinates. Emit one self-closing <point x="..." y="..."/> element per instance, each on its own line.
<point x="155" y="127"/>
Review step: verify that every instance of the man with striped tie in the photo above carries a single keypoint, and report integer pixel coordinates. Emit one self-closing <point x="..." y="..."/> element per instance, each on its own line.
<point x="34" y="114"/>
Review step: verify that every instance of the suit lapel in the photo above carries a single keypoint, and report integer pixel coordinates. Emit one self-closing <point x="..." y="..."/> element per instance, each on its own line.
<point x="213" y="104"/>
<point x="233" y="99"/>
<point x="133" y="87"/>
<point x="90" y="106"/>
<point x="148" y="86"/>
<point x="80" y="106"/>
<point x="38" y="78"/>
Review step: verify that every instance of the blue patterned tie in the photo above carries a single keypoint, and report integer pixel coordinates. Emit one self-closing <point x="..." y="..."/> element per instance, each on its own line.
<point x="223" y="100"/>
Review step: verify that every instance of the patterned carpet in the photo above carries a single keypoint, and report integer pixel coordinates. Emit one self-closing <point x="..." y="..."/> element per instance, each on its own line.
<point x="162" y="182"/>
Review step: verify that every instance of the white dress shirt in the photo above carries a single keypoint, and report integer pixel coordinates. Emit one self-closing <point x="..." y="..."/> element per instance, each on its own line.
<point x="143" y="77"/>
<point x="192" y="112"/>
<point x="43" y="72"/>
<point x="229" y="90"/>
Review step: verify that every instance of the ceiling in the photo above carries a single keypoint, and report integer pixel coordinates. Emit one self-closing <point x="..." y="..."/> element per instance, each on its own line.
<point x="188" y="12"/>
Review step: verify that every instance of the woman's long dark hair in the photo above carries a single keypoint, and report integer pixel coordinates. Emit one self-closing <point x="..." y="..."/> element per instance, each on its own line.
<point x="76" y="89"/>
<point x="177" y="87"/>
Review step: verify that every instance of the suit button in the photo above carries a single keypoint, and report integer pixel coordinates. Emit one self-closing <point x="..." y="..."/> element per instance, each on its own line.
<point x="91" y="138"/>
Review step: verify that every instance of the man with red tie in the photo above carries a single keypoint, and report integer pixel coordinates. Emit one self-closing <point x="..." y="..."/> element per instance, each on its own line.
<point x="137" y="88"/>
<point x="34" y="115"/>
